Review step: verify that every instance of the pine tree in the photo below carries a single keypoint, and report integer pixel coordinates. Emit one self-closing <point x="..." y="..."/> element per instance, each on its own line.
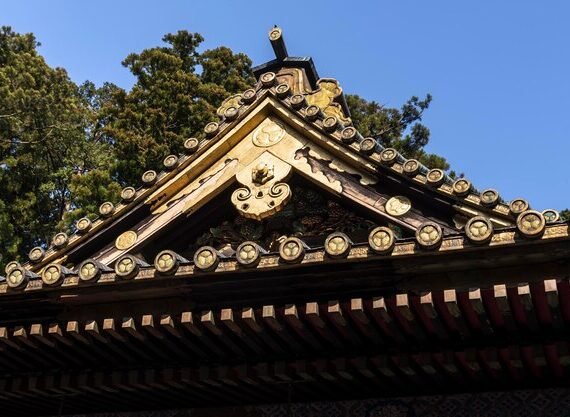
<point x="44" y="145"/>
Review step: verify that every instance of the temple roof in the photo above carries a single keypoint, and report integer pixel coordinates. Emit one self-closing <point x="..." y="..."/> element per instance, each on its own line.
<point x="283" y="252"/>
<point x="288" y="123"/>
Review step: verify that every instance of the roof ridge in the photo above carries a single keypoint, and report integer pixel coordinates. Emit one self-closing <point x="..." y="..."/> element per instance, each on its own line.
<point x="230" y="112"/>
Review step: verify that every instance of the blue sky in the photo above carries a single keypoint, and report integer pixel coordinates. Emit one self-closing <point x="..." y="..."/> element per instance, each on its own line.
<point x="498" y="70"/>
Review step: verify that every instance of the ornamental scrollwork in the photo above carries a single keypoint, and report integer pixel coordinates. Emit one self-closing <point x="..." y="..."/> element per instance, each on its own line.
<point x="263" y="193"/>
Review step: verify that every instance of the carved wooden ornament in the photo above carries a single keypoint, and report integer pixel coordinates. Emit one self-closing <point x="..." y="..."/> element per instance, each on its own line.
<point x="489" y="198"/>
<point x="292" y="250"/>
<point x="531" y="223"/>
<point x="324" y="97"/>
<point x="551" y="215"/>
<point x="88" y="270"/>
<point x="479" y="229"/>
<point x="268" y="134"/>
<point x="398" y="205"/>
<point x="167" y="262"/>
<point x="52" y="274"/>
<point x="11" y="265"/>
<point x="263" y="194"/>
<point x="126" y="266"/>
<point x="125" y="240"/>
<point x="17" y="278"/>
<point x="429" y="235"/>
<point x="381" y="239"/>
<point x="83" y="225"/>
<point x="248" y="254"/>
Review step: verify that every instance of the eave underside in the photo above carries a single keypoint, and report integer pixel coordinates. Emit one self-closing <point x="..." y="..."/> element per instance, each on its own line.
<point x="374" y="327"/>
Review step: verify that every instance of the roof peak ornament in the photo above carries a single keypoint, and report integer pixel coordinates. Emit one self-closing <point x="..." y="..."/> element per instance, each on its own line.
<point x="278" y="43"/>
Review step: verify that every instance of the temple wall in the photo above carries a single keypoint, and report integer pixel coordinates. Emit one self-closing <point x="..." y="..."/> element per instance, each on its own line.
<point x="531" y="403"/>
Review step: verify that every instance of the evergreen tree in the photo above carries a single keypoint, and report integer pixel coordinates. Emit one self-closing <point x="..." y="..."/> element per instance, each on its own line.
<point x="44" y="145"/>
<point x="396" y="128"/>
<point x="177" y="91"/>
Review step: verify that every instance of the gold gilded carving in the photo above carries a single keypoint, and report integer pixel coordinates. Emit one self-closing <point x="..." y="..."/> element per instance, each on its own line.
<point x="232" y="102"/>
<point x="267" y="79"/>
<point x="36" y="254"/>
<point x="269" y="262"/>
<point x="263" y="194"/>
<point x="34" y="285"/>
<point x="191" y="145"/>
<point x="17" y="278"/>
<point x="502" y="209"/>
<point x="283" y="90"/>
<point x="404" y="249"/>
<point x="435" y="177"/>
<point x="398" y="205"/>
<point x="314" y="257"/>
<point x="348" y="135"/>
<point x="127" y="195"/>
<point x="262" y="173"/>
<point x="70" y="282"/>
<point x="292" y="250"/>
<point x="206" y="258"/>
<point x="166" y="262"/>
<point x="451" y="244"/>
<point x="503" y="238"/>
<point x="249" y="96"/>
<point x="412" y="167"/>
<point x="126" y="267"/>
<point x="149" y="178"/>
<point x="211" y="129"/>
<point x="388" y="156"/>
<point x="60" y="240"/>
<point x="295" y="78"/>
<point x="324" y="97"/>
<point x="361" y="252"/>
<point x="429" y="235"/>
<point x="337" y="245"/>
<point x="461" y="187"/>
<point x="489" y="198"/>
<point x="381" y="239"/>
<point x="473" y="198"/>
<point x="320" y="162"/>
<point x="312" y="112"/>
<point x="268" y="134"/>
<point x="556" y="231"/>
<point x="52" y="275"/>
<point x="551" y="215"/>
<point x="531" y="223"/>
<point x="479" y="229"/>
<point x="11" y="265"/>
<point x="518" y="205"/>
<point x="248" y="254"/>
<point x="367" y="146"/>
<point x="88" y="270"/>
<point x="126" y="240"/>
<point x="298" y="101"/>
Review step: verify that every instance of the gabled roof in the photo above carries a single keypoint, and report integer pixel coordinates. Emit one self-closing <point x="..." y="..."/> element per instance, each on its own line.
<point x="407" y="282"/>
<point x="289" y="124"/>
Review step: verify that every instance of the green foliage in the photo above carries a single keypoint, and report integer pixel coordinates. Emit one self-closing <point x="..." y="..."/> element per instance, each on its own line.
<point x="565" y="215"/>
<point x="44" y="145"/>
<point x="396" y="128"/>
<point x="176" y="93"/>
